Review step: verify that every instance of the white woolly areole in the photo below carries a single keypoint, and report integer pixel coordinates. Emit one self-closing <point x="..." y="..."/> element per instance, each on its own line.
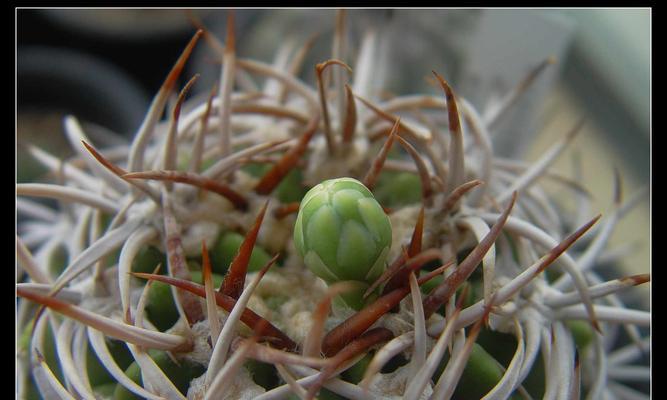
<point x="145" y="209"/>
<point x="201" y="352"/>
<point x="402" y="224"/>
<point x="242" y="387"/>
<point x="197" y="233"/>
<point x="276" y="233"/>
<point x="323" y="166"/>
<point x="289" y="298"/>
<point x="393" y="384"/>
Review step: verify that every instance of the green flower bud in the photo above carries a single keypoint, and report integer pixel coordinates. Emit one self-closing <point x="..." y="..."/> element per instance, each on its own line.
<point x="343" y="234"/>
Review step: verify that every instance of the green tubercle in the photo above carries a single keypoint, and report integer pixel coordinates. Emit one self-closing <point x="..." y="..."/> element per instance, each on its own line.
<point x="481" y="374"/>
<point x="356" y="373"/>
<point x="582" y="332"/>
<point x="396" y="189"/>
<point x="58" y="261"/>
<point x="343" y="234"/>
<point x="227" y="246"/>
<point x="180" y="374"/>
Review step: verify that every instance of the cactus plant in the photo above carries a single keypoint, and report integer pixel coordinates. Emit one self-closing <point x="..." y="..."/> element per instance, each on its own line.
<point x="450" y="297"/>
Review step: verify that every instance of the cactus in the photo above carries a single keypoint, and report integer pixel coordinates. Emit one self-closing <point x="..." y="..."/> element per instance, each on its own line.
<point x="444" y="289"/>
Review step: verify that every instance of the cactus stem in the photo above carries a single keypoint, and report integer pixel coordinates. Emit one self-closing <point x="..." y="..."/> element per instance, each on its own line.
<point x="121" y="207"/>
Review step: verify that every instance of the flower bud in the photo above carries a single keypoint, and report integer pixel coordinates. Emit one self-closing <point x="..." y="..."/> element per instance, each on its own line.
<point x="342" y="232"/>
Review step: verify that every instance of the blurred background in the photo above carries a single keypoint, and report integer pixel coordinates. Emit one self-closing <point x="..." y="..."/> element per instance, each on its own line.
<point x="105" y="65"/>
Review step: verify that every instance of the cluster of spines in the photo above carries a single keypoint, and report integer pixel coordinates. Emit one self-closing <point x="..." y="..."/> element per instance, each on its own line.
<point x="350" y="339"/>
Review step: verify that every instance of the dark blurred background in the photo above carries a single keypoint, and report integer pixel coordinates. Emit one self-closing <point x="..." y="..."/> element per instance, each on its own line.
<point x="105" y="64"/>
<point x="101" y="65"/>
